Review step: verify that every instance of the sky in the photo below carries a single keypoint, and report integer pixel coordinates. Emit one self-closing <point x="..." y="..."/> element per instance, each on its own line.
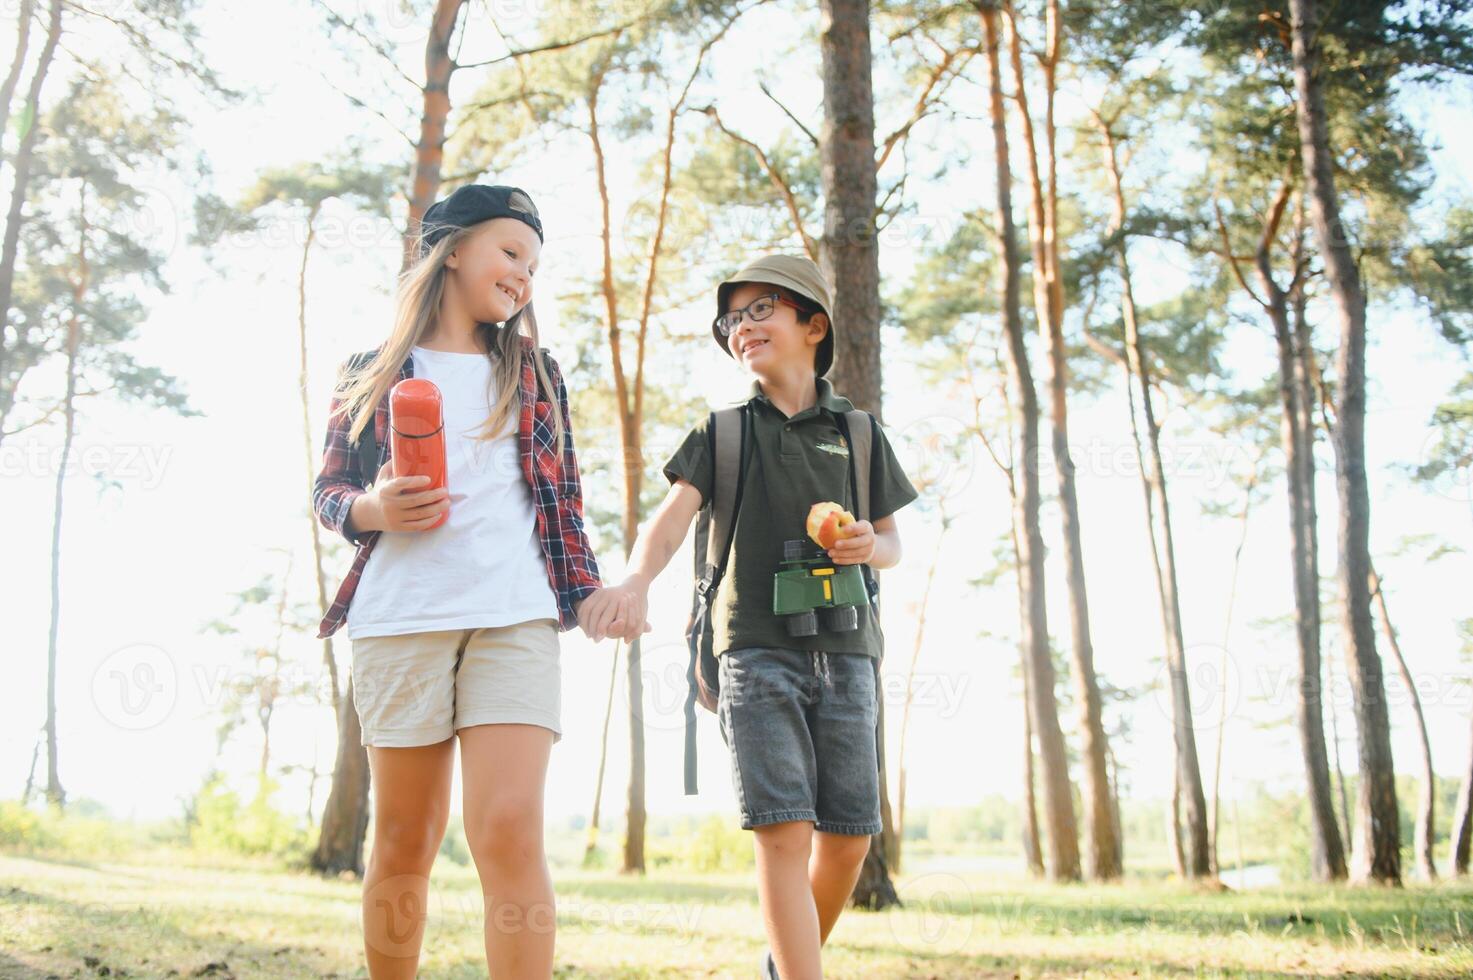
<point x="203" y="507"/>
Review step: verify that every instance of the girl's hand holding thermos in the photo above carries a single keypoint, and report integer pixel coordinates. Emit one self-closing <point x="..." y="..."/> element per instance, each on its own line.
<point x="396" y="503"/>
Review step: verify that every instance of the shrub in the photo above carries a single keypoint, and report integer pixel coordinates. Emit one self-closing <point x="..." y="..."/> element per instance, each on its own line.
<point x="220" y="822"/>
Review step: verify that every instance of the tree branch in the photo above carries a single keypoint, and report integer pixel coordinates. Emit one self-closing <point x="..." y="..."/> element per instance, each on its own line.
<point x="788" y="112"/>
<point x="775" y="176"/>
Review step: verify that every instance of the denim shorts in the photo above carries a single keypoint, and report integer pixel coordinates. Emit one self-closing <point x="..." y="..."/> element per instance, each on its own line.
<point x="801" y="729"/>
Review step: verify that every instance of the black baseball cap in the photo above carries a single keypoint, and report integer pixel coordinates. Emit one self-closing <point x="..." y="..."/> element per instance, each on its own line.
<point x="472" y="204"/>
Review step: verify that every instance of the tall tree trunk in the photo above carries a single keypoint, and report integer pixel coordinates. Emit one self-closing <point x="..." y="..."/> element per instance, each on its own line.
<point x="1222" y="670"/>
<point x="1153" y="479"/>
<point x="17" y="63"/>
<point x="1296" y="434"/>
<point x="850" y="259"/>
<point x="319" y="571"/>
<point x="266" y="696"/>
<point x="1115" y="802"/>
<point x="25" y="796"/>
<point x="1460" y="835"/>
<point x="1032" y="846"/>
<point x="54" y="792"/>
<point x="1173" y="825"/>
<point x="1427" y="801"/>
<point x="1335" y="751"/>
<point x="1376" y="852"/>
<point x="429" y="152"/>
<point x="630" y="409"/>
<point x="1063" y="836"/>
<point x="1102" y="854"/>
<point x="634" y="813"/>
<point x="591" y="845"/>
<point x="915" y="655"/>
<point x="345" y="815"/>
<point x="848" y="250"/>
<point x="1307" y="374"/>
<point x="21" y="168"/>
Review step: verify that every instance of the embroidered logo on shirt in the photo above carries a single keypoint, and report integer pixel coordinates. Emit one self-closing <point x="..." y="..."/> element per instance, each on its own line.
<point x="829" y="447"/>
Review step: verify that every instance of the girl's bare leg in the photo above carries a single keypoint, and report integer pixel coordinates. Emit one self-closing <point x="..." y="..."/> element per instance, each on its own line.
<point x="411" y="804"/>
<point x="504" y="768"/>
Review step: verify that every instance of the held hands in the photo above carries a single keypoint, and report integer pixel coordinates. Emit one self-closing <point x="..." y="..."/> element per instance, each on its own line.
<point x="856" y="545"/>
<point x="396" y="504"/>
<point x="617" y="611"/>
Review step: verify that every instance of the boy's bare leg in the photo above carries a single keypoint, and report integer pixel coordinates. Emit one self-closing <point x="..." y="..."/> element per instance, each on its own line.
<point x="788" y="910"/>
<point x="832" y="871"/>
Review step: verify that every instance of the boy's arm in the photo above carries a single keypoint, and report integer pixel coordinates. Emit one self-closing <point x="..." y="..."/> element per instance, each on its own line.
<point x="876" y="545"/>
<point x="667" y="529"/>
<point x="620" y="611"/>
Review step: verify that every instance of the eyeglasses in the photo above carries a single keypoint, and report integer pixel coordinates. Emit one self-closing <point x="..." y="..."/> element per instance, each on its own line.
<point x="759" y="309"/>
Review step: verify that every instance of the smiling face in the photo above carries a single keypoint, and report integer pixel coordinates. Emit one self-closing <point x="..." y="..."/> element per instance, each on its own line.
<point x="777" y="343"/>
<point x="491" y="270"/>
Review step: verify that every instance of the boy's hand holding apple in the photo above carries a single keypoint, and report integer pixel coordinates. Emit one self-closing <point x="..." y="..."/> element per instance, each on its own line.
<point x="848" y="541"/>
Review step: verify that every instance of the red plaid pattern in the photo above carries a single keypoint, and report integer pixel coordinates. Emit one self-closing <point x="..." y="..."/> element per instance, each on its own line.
<point x="557" y="493"/>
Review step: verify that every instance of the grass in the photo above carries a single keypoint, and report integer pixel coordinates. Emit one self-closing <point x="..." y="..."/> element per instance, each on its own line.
<point x="181" y="914"/>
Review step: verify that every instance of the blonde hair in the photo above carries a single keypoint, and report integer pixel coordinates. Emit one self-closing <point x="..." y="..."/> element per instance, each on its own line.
<point x="420" y="289"/>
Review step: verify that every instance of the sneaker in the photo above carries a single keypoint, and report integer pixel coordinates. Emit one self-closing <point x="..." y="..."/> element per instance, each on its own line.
<point x="769" y="968"/>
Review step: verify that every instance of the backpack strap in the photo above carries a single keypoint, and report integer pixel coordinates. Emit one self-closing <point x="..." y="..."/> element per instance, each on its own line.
<point x="726" y="432"/>
<point x="858" y="427"/>
<point x="859" y="430"/>
<point x="728" y="429"/>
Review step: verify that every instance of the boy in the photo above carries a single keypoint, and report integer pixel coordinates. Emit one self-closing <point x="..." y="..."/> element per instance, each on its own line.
<point x="797" y="712"/>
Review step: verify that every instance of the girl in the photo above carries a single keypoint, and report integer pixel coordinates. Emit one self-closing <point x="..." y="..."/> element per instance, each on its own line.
<point x="454" y="629"/>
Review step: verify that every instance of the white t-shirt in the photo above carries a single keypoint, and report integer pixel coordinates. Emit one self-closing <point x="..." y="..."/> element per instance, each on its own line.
<point x="484" y="566"/>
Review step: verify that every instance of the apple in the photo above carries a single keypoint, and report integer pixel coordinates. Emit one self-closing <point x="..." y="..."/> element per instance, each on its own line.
<point x="825" y="520"/>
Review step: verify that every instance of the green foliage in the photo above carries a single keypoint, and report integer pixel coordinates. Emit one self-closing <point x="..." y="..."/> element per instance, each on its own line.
<point x="222" y="822"/>
<point x="83" y="830"/>
<point x="1450" y="457"/>
<point x="715" y="843"/>
<point x="21" y="828"/>
<point x="453" y="847"/>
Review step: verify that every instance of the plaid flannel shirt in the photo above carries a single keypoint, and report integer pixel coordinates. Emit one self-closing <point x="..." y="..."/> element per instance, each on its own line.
<point x="557" y="493"/>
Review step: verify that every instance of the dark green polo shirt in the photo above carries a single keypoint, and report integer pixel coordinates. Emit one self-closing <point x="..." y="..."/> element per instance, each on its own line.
<point x="793" y="463"/>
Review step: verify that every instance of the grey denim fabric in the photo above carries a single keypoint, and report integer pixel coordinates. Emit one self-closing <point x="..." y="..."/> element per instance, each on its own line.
<point x="801" y="729"/>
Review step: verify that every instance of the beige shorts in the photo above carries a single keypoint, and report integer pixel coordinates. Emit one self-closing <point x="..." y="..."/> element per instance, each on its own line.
<point x="422" y="688"/>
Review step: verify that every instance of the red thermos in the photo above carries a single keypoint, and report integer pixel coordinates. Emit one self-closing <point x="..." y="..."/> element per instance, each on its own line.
<point x="417" y="427"/>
